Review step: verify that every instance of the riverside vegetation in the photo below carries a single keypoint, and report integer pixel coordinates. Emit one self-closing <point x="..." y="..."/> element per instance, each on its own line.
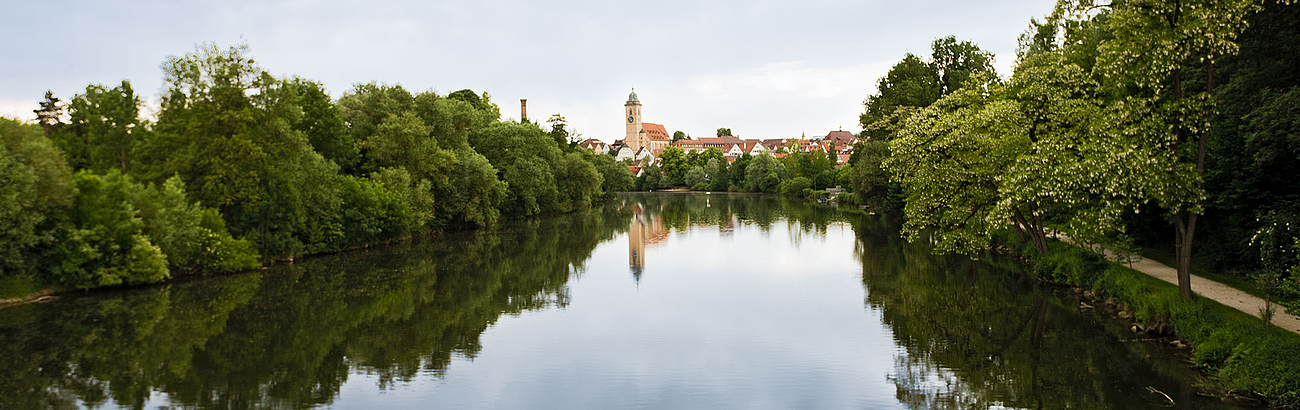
<point x="243" y="168"/>
<point x="1124" y="125"/>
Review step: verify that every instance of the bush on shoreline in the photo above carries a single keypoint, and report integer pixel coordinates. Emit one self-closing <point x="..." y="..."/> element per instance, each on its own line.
<point x="1231" y="346"/>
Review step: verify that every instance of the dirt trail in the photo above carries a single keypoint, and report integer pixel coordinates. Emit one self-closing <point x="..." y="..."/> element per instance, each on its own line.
<point x="1215" y="291"/>
<point x="1218" y="292"/>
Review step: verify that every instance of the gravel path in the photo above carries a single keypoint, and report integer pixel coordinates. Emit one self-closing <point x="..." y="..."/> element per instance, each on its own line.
<point x="1206" y="288"/>
<point x="1219" y="292"/>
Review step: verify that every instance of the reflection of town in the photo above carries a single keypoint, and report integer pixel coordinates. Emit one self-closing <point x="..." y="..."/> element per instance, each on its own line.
<point x="646" y="230"/>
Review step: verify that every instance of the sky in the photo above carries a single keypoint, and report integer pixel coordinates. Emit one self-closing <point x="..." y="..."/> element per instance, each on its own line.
<point x="764" y="69"/>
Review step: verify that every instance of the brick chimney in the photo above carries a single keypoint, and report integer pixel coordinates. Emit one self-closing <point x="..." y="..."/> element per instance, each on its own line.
<point x="523" y="109"/>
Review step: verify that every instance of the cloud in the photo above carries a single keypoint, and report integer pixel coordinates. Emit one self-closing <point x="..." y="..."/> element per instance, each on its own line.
<point x="19" y="109"/>
<point x="794" y="79"/>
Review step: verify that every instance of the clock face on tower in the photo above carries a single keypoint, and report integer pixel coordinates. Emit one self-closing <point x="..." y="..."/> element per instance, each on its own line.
<point x="629" y="119"/>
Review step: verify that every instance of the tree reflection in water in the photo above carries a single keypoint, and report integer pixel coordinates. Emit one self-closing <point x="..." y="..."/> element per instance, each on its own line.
<point x="981" y="334"/>
<point x="970" y="334"/>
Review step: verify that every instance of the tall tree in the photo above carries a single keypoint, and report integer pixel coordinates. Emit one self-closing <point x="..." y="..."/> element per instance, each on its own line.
<point x="322" y="122"/>
<point x="108" y="120"/>
<point x="1156" y="45"/>
<point x="956" y="61"/>
<point x="724" y="132"/>
<point x="50" y="114"/>
<point x="35" y="189"/>
<point x="678" y="136"/>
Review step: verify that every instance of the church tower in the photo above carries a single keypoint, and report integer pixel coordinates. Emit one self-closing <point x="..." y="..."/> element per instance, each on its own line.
<point x="632" y="109"/>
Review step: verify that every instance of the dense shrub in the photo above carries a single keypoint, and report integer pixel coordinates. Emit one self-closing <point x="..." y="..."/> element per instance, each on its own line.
<point x="794" y="186"/>
<point x="1230" y="344"/>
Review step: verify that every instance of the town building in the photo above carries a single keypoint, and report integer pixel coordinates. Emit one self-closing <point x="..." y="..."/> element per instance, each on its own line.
<point x="650" y="136"/>
<point x="596" y="146"/>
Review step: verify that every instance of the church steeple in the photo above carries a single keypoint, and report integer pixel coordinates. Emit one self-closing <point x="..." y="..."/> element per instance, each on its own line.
<point x="632" y="109"/>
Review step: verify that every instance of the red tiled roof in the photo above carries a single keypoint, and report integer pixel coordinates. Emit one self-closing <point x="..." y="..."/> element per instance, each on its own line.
<point x="838" y="136"/>
<point x="656" y="131"/>
<point x="730" y="139"/>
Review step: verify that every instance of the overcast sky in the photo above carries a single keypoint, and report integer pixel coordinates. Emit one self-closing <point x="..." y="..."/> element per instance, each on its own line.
<point x="761" y="68"/>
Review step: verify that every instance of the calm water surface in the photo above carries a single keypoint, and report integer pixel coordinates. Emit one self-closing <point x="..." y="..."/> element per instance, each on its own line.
<point x="650" y="301"/>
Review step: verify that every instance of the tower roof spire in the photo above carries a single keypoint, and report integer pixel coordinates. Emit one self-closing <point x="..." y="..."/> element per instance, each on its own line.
<point x="632" y="97"/>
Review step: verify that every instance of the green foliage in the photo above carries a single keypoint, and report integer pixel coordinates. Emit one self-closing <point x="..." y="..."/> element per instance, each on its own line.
<point x="911" y="82"/>
<point x="322" y="123"/>
<point x="105" y="131"/>
<point x="764" y="174"/>
<point x="527" y="159"/>
<point x="724" y="132"/>
<point x="697" y="177"/>
<point x="103" y="243"/>
<point x="737" y="172"/>
<point x="576" y="181"/>
<point x="869" y="178"/>
<point x="194" y="238"/>
<point x="35" y="190"/>
<point x="849" y="198"/>
<point x="615" y="176"/>
<point x="716" y="170"/>
<point x="1229" y="344"/>
<point x="564" y="137"/>
<point x="674" y="162"/>
<point x="679" y="135"/>
<point x="795" y="187"/>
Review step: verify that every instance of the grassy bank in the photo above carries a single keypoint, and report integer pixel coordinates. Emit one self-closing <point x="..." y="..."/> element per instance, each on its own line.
<point x="1234" y="348"/>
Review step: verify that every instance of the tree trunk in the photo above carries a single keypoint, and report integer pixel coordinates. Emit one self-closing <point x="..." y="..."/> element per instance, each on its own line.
<point x="1185" y="229"/>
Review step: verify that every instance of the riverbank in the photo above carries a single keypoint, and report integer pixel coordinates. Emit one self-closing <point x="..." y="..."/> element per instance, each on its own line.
<point x="1235" y="349"/>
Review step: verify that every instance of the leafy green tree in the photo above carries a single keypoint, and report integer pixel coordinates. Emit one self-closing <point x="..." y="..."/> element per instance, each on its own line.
<point x="365" y="107"/>
<point x="1036" y="148"/>
<point x="1156" y="48"/>
<point x="674" y="163"/>
<point x="103" y="243"/>
<point x="764" y="173"/>
<point x="49" y="115"/>
<point x="651" y="177"/>
<point x="192" y="237"/>
<point x="737" y="173"/>
<point x="1253" y="149"/>
<point x="35" y="190"/>
<point x="719" y="175"/>
<point x="678" y="136"/>
<point x="564" y="137"/>
<point x="107" y="121"/>
<point x="615" y="177"/>
<point x="402" y="140"/>
<point x="577" y="182"/>
<point x="955" y="62"/>
<point x="794" y="187"/>
<point x="473" y="193"/>
<point x="911" y="82"/>
<point x="322" y="122"/>
<point x="712" y="154"/>
<point x="914" y="83"/>
<point x="870" y="179"/>
<point x="724" y="132"/>
<point x="697" y="179"/>
<point x="526" y="157"/>
<point x="481" y="102"/>
<point x="226" y="128"/>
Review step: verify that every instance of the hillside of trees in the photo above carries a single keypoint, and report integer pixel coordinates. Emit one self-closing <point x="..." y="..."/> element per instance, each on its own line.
<point x="242" y="168"/>
<point x="1160" y="127"/>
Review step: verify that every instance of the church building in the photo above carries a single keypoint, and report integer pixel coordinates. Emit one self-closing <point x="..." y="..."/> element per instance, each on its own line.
<point x="651" y="137"/>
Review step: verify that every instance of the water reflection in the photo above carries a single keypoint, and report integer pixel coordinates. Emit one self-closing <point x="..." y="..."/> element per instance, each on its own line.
<point x="646" y="229"/>
<point x="979" y="335"/>
<point x="752" y="302"/>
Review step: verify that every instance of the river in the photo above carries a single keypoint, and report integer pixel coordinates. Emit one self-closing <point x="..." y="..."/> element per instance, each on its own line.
<point x="646" y="301"/>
